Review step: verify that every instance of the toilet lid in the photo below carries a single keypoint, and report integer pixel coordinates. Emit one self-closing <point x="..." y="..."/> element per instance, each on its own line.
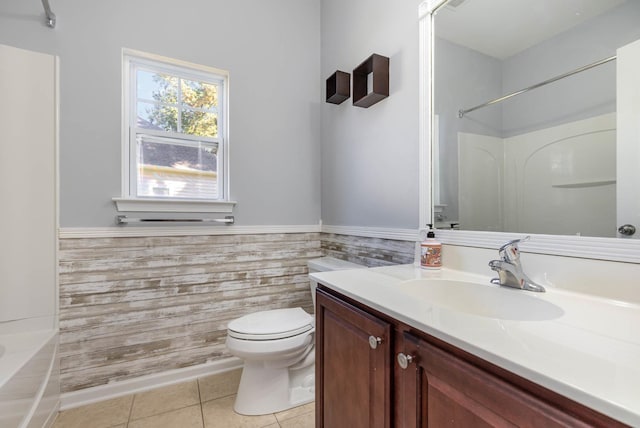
<point x="269" y="325"/>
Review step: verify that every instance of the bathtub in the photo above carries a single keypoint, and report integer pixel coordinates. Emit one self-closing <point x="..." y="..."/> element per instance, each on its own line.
<point x="29" y="373"/>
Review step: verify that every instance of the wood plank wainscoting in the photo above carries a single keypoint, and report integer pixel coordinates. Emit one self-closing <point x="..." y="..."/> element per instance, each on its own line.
<point x="132" y="306"/>
<point x="141" y="305"/>
<point x="368" y="251"/>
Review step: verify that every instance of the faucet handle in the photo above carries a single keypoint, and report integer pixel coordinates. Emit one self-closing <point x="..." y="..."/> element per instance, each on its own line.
<point x="509" y="252"/>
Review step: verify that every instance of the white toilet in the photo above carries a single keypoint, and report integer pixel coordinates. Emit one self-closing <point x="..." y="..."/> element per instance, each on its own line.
<point x="277" y="347"/>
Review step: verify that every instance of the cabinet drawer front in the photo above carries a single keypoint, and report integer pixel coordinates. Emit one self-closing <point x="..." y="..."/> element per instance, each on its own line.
<point x="353" y="369"/>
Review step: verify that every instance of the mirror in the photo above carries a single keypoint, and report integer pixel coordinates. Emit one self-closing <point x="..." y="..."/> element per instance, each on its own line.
<point x="549" y="159"/>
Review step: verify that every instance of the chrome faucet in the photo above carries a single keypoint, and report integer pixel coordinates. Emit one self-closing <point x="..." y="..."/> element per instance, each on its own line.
<point x="510" y="273"/>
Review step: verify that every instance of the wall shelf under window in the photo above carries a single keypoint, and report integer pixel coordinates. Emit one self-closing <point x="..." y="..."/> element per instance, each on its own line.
<point x="173" y="205"/>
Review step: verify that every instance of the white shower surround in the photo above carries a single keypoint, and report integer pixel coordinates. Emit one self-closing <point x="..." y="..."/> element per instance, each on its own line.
<point x="29" y="374"/>
<point x="558" y="180"/>
<point x="29" y="366"/>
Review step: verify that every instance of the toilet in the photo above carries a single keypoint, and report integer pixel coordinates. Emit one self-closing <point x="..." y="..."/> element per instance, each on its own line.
<point x="277" y="347"/>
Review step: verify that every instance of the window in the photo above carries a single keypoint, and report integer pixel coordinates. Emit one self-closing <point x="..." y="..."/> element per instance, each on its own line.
<point x="174" y="135"/>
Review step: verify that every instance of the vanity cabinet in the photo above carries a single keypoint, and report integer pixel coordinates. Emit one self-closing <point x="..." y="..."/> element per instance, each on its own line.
<point x="374" y="371"/>
<point x="354" y="370"/>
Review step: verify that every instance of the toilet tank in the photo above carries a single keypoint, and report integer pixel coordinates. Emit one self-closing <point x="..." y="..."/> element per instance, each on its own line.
<point x="324" y="264"/>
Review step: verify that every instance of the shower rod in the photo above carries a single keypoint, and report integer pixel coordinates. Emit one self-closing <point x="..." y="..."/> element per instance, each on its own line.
<point x="461" y="113"/>
<point x="51" y="17"/>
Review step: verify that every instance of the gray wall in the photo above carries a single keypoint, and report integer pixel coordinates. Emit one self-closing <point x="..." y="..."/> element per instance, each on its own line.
<point x="272" y="50"/>
<point x="370" y="156"/>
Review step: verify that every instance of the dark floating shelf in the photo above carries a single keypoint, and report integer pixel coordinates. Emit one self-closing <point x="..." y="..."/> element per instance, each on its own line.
<point x="338" y="87"/>
<point x="378" y="66"/>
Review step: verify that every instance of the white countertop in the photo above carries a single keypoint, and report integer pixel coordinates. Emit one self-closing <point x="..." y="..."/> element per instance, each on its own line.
<point x="589" y="353"/>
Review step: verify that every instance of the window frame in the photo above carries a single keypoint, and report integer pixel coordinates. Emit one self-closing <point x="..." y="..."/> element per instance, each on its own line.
<point x="129" y="200"/>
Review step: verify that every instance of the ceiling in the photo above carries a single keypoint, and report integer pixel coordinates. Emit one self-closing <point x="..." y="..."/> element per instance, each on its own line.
<point x="462" y="21"/>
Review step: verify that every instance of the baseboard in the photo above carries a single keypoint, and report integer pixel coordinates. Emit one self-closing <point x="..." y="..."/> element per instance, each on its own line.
<point x="86" y="396"/>
<point x="52" y="416"/>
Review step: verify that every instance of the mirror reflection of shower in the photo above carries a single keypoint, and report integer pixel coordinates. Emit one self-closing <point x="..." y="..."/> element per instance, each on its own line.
<point x="527" y="115"/>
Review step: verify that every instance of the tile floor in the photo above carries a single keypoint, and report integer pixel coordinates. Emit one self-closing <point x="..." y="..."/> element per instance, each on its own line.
<point x="203" y="403"/>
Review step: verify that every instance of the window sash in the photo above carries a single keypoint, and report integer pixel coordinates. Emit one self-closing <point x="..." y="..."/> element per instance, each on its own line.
<point x="132" y="64"/>
<point x="173" y="139"/>
<point x="180" y="74"/>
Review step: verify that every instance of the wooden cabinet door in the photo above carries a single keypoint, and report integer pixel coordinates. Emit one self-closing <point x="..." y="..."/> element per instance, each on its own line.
<point x="438" y="389"/>
<point x="353" y="366"/>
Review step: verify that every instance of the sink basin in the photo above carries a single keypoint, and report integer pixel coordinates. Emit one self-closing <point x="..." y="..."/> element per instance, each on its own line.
<point x="481" y="300"/>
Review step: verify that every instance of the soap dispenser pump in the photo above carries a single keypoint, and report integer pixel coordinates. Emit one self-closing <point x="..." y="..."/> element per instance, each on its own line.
<point x="430" y="251"/>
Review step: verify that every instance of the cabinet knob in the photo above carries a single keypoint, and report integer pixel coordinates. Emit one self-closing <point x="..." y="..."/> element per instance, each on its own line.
<point x="404" y="360"/>
<point x="374" y="342"/>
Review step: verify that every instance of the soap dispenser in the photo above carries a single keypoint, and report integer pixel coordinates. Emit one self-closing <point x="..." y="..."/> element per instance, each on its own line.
<point x="430" y="251"/>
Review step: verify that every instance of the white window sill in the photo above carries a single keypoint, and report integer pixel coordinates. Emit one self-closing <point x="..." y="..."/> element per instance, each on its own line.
<point x="173" y="205"/>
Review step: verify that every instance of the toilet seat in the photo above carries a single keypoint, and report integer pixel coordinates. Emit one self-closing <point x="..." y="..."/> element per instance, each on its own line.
<point x="271" y="325"/>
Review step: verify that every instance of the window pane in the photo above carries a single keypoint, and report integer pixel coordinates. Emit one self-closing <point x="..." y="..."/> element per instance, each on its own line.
<point x="157" y="116"/>
<point x="199" y="123"/>
<point x="156" y="86"/>
<point x="177" y="169"/>
<point x="199" y="94"/>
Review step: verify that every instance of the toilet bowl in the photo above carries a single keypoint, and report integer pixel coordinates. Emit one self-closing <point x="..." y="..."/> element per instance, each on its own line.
<point x="277" y="347"/>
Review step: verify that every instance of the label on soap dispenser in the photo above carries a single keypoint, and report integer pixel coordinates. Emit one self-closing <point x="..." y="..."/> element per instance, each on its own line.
<point x="431" y="255"/>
